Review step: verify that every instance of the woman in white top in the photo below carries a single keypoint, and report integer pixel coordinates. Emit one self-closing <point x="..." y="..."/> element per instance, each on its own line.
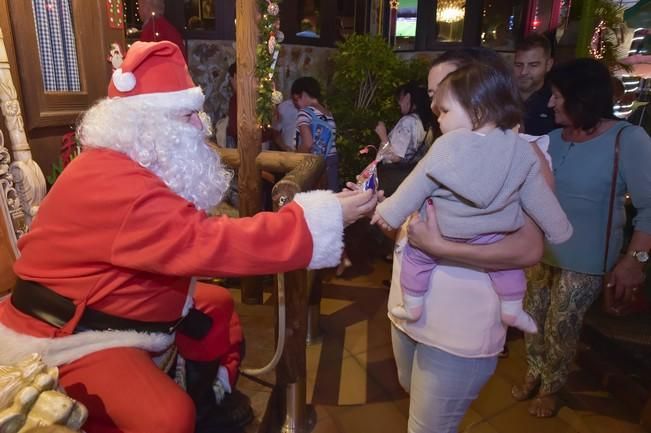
<point x="408" y="138"/>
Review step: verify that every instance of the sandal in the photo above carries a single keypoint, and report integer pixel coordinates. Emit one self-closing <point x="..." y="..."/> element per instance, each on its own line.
<point x="544" y="406"/>
<point x="527" y="390"/>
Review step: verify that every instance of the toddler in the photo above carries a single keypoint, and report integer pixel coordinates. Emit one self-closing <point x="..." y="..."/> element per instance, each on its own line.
<point x="481" y="176"/>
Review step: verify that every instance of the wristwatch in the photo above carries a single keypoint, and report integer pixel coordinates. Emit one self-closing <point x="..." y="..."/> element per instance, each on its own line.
<point x="640" y="256"/>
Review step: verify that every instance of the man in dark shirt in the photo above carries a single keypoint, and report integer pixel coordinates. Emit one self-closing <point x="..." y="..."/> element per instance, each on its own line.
<point x="531" y="63"/>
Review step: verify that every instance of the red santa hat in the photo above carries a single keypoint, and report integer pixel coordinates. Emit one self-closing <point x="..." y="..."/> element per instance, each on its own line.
<point x="156" y="73"/>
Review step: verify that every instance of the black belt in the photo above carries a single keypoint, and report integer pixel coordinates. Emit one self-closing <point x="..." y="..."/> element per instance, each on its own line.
<point x="44" y="304"/>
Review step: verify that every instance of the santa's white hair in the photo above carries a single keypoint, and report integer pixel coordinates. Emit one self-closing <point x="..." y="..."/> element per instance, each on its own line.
<point x="159" y="139"/>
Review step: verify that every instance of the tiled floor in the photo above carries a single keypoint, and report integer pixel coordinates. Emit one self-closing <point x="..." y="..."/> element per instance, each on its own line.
<point x="351" y="379"/>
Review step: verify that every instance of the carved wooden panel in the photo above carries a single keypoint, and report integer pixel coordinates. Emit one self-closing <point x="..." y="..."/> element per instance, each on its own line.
<point x="7" y="258"/>
<point x="23" y="183"/>
<point x="9" y="209"/>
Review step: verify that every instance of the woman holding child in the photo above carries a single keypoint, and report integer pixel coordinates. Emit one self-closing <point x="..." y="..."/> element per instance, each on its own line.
<point x="449" y="352"/>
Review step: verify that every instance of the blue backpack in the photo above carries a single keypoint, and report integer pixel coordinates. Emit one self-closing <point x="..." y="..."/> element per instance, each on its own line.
<point x="321" y="133"/>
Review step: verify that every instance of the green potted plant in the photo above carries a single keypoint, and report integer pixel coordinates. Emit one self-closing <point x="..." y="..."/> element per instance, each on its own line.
<point x="362" y="92"/>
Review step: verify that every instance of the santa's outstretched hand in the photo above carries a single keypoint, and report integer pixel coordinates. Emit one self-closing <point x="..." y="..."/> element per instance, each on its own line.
<point x="356" y="204"/>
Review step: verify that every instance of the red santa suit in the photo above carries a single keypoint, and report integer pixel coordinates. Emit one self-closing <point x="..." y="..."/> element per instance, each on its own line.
<point x="113" y="237"/>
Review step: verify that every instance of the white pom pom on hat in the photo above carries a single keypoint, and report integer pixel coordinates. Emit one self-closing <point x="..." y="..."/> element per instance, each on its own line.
<point x="123" y="81"/>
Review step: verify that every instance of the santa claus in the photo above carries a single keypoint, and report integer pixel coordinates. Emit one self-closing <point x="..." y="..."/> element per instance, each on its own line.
<point x="105" y="271"/>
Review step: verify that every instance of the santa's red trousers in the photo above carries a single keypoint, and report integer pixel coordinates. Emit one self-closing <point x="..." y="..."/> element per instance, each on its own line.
<point x="125" y="392"/>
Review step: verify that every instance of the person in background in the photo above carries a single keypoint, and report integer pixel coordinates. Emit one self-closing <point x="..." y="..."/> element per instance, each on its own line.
<point x="156" y="27"/>
<point x="407" y="140"/>
<point x="316" y="129"/>
<point x="569" y="278"/>
<point x="532" y="61"/>
<point x="308" y="29"/>
<point x="316" y="134"/>
<point x="284" y="126"/>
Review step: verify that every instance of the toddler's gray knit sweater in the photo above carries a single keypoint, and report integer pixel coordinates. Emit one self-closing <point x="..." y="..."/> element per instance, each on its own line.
<point x="480" y="184"/>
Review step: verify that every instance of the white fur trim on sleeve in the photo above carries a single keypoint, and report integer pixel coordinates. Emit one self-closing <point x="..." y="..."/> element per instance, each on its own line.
<point x="325" y="220"/>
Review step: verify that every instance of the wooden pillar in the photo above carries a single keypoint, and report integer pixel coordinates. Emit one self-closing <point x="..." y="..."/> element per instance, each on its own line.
<point x="291" y="370"/>
<point x="248" y="133"/>
<point x="586" y="28"/>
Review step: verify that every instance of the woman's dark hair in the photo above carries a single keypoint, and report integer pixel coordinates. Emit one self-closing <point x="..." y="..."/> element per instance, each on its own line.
<point x="486" y="93"/>
<point x="587" y="89"/>
<point x="419" y="102"/>
<point x="308" y="85"/>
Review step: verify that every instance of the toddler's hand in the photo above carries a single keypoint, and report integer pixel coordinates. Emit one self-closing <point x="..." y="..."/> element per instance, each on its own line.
<point x="377" y="219"/>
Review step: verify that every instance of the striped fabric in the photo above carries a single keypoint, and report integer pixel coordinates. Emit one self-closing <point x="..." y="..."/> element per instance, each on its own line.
<point x="56" y="45"/>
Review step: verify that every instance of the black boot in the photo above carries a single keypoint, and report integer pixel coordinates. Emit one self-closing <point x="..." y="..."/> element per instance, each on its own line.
<point x="211" y="417"/>
<point x="199" y="377"/>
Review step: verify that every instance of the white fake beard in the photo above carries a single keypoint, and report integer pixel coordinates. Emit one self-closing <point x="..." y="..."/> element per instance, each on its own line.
<point x="160" y="141"/>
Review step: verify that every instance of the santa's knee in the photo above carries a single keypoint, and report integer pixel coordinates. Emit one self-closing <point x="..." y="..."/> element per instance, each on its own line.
<point x="176" y="415"/>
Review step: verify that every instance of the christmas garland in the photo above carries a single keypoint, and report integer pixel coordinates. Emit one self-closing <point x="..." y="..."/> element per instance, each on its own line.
<point x="269" y="39"/>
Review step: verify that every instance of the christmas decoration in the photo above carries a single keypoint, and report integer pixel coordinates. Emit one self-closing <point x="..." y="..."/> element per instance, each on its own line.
<point x="115" y="14"/>
<point x="606" y="42"/>
<point x="273" y="8"/>
<point x="276" y="97"/>
<point x="70" y="149"/>
<point x="267" y="52"/>
<point x="598" y="42"/>
<point x="115" y="56"/>
<point x="271" y="44"/>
